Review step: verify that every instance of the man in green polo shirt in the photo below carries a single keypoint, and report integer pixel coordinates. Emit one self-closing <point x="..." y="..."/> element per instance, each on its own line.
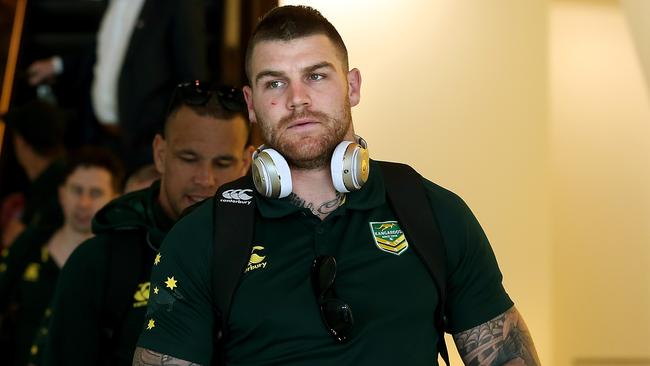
<point x="331" y="279"/>
<point x="103" y="290"/>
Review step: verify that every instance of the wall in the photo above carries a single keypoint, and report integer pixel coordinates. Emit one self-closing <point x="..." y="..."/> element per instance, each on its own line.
<point x="458" y="90"/>
<point x="600" y="144"/>
<point x="637" y="14"/>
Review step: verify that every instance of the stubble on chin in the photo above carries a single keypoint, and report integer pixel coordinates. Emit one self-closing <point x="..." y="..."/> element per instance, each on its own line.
<point x="308" y="152"/>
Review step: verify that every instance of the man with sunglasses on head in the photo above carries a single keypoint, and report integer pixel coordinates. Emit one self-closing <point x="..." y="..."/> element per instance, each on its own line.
<point x="102" y="294"/>
<point x="332" y="279"/>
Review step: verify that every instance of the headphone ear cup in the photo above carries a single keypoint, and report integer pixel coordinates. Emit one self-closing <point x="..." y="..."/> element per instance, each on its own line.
<point x="271" y="174"/>
<point x="349" y="167"/>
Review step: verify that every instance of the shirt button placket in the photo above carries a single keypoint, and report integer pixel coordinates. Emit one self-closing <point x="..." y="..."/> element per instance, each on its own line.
<point x="320" y="242"/>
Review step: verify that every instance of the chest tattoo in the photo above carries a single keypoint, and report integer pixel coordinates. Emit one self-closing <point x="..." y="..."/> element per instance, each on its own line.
<point x="321" y="210"/>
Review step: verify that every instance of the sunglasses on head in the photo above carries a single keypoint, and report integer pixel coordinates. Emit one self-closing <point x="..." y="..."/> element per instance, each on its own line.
<point x="198" y="93"/>
<point x="336" y="314"/>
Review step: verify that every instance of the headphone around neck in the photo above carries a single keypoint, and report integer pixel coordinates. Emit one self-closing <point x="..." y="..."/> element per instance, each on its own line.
<point x="349" y="166"/>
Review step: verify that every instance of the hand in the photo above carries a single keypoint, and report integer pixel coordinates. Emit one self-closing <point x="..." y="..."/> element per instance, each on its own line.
<point x="41" y="71"/>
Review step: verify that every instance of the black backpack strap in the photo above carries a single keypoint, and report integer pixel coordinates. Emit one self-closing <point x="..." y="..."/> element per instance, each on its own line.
<point x="125" y="261"/>
<point x="234" y="220"/>
<point x="407" y="196"/>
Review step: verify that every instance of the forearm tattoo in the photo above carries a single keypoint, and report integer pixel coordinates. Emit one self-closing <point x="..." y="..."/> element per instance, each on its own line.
<point x="321" y="210"/>
<point x="145" y="357"/>
<point x="502" y="341"/>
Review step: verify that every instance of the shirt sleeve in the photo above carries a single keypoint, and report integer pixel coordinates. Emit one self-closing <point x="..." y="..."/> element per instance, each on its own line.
<point x="475" y="293"/>
<point x="180" y="314"/>
<point x="74" y="332"/>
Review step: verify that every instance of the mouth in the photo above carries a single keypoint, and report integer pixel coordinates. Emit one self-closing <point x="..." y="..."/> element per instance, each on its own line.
<point x="83" y="218"/>
<point x="302" y="124"/>
<point x="195" y="198"/>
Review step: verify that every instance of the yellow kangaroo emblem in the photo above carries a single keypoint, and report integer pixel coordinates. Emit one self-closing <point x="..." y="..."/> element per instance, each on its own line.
<point x="386" y="226"/>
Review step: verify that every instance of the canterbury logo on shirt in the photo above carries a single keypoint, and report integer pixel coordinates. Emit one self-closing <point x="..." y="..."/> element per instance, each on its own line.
<point x="257" y="260"/>
<point x="141" y="295"/>
<point x="240" y="196"/>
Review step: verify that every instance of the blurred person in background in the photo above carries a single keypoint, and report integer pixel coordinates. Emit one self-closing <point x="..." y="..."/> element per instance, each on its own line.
<point x="143" y="49"/>
<point x="37" y="131"/>
<point x="30" y="268"/>
<point x="203" y="144"/>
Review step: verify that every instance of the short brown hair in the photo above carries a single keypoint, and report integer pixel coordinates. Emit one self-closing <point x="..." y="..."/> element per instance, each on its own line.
<point x="95" y="157"/>
<point x="290" y="22"/>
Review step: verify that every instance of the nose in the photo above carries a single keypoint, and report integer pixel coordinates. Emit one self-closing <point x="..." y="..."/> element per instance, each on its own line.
<point x="298" y="96"/>
<point x="85" y="200"/>
<point x="205" y="176"/>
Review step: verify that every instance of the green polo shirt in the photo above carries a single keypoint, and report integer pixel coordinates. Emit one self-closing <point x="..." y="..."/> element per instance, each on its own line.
<point x="275" y="318"/>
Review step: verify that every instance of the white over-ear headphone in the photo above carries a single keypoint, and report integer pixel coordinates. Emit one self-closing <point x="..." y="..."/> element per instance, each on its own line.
<point x="349" y="167"/>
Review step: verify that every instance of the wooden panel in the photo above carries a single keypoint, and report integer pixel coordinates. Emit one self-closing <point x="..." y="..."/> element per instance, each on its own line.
<point x="13" y="45"/>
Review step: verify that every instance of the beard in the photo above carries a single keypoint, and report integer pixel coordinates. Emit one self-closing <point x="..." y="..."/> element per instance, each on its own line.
<point x="308" y="151"/>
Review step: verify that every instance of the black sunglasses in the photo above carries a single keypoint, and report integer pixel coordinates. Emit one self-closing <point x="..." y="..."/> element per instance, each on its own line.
<point x="336" y="314"/>
<point x="198" y="93"/>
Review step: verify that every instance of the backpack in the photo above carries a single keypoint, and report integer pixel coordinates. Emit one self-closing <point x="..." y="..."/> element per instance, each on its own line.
<point x="407" y="197"/>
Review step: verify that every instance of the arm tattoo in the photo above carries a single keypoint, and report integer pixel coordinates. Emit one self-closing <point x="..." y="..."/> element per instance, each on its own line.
<point x="502" y="341"/>
<point x="323" y="209"/>
<point x="145" y="357"/>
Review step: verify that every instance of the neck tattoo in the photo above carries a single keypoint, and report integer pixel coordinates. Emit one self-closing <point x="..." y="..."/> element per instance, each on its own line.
<point x="321" y="210"/>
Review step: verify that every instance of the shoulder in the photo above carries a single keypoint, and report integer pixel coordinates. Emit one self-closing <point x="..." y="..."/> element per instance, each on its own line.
<point x="195" y="227"/>
<point x="196" y="215"/>
<point x="30" y="237"/>
<point x="440" y="199"/>
<point x="460" y="230"/>
<point x="88" y="256"/>
<point x="96" y="249"/>
<point x="446" y="201"/>
<point x="458" y="225"/>
<point x="27" y="245"/>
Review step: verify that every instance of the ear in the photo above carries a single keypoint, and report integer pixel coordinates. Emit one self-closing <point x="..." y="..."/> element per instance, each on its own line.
<point x="159" y="147"/>
<point x="247" y="158"/>
<point x="354" y="86"/>
<point x="248" y="95"/>
<point x="61" y="192"/>
<point x="20" y="145"/>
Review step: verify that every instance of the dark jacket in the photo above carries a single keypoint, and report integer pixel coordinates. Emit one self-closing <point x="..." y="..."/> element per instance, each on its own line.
<point x="168" y="46"/>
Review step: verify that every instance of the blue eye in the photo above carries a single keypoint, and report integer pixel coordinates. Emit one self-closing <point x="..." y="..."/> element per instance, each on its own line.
<point x="316" y="77"/>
